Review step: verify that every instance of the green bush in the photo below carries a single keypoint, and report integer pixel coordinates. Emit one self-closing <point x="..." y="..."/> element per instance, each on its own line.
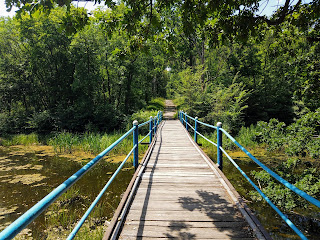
<point x="297" y="139"/>
<point x="294" y="171"/>
<point x="272" y="133"/>
<point x="143" y="115"/>
<point x="300" y="135"/>
<point x="156" y="104"/>
<point x="13" y="123"/>
<point x="41" y="122"/>
<point x="313" y="148"/>
<point x="211" y="102"/>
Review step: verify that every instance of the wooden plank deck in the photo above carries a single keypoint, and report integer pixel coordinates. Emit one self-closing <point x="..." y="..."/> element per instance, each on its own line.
<point x="181" y="195"/>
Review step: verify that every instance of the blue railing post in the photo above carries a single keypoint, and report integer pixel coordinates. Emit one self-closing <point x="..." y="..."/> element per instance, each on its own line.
<point x="154" y="125"/>
<point x="186" y="120"/>
<point x="150" y="129"/>
<point x="135" y="143"/>
<point x="219" y="144"/>
<point x="196" y="129"/>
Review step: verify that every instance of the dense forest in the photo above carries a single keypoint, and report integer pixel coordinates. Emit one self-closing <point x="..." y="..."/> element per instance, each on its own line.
<point x="83" y="80"/>
<point x="67" y="70"/>
<point x="76" y="80"/>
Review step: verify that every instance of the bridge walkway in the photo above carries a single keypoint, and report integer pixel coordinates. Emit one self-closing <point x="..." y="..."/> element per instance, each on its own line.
<point x="182" y="195"/>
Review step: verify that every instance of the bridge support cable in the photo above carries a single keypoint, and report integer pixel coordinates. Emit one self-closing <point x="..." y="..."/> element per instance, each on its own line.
<point x="184" y="118"/>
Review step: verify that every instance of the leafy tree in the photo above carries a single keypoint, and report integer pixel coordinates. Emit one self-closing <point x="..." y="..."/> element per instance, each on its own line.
<point x="222" y="19"/>
<point x="57" y="78"/>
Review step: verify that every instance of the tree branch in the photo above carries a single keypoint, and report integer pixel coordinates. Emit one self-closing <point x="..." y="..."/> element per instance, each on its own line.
<point x="284" y="12"/>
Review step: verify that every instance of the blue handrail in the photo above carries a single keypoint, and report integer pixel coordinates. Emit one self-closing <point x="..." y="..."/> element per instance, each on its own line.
<point x="94" y="203"/>
<point x="184" y="118"/>
<point x="18" y="225"/>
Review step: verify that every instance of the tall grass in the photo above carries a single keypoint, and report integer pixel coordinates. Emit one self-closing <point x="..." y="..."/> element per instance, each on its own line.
<point x="91" y="142"/>
<point x="65" y="142"/>
<point x="248" y="137"/>
<point x="21" y="139"/>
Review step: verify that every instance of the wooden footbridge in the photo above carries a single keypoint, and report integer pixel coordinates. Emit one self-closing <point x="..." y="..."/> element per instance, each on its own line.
<point x="181" y="195"/>
<point x="177" y="191"/>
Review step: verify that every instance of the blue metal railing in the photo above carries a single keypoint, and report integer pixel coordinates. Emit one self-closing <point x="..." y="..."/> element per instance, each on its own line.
<point x="18" y="225"/>
<point x="183" y="117"/>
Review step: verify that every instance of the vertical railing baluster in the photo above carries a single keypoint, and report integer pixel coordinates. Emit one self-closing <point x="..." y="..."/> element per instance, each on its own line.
<point x="186" y="120"/>
<point x="135" y="142"/>
<point x="196" y="129"/>
<point x="182" y="117"/>
<point x="150" y="129"/>
<point x="154" y="125"/>
<point x="219" y="144"/>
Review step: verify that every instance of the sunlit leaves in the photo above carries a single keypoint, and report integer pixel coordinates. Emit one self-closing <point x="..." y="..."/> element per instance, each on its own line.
<point x="75" y="19"/>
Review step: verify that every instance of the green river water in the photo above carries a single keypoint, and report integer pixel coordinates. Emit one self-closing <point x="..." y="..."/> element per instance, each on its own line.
<point x="25" y="178"/>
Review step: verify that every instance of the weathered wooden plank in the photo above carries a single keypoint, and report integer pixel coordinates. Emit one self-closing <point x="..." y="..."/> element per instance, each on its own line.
<point x="177" y="169"/>
<point x="215" y="184"/>
<point x="181" y="237"/>
<point x="191" y="224"/>
<point x="166" y="198"/>
<point x="179" y="197"/>
<point x="165" y="164"/>
<point x="157" y="205"/>
<point x="192" y="157"/>
<point x="184" y="231"/>
<point x="185" y="216"/>
<point x="184" y="188"/>
<point x="190" y="177"/>
<point x="175" y="174"/>
<point x="213" y="193"/>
